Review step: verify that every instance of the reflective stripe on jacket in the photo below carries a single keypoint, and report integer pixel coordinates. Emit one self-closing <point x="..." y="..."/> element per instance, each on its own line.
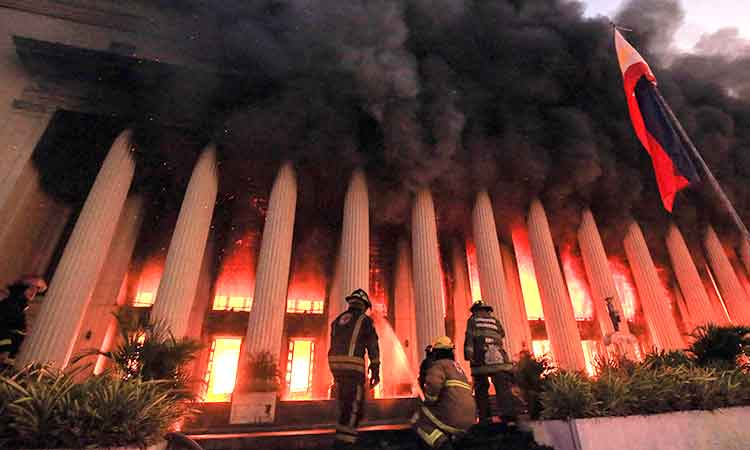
<point x="449" y="405"/>
<point x="483" y="344"/>
<point x="352" y="333"/>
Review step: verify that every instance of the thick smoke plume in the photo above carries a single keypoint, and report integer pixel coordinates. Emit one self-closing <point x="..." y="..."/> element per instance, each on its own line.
<point x="520" y="97"/>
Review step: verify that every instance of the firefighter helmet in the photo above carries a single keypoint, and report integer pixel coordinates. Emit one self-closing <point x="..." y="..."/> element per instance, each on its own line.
<point x="359" y="295"/>
<point x="480" y="304"/>
<point x="443" y="343"/>
<point x="32" y="281"/>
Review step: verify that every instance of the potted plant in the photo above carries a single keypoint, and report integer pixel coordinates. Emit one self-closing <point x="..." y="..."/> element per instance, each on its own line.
<point x="254" y="399"/>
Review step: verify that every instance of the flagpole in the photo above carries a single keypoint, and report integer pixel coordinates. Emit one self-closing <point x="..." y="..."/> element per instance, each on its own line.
<point x="707" y="172"/>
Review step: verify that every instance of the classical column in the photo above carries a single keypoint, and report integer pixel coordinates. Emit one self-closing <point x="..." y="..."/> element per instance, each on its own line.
<point x="559" y="318"/>
<point x="656" y="307"/>
<point x="428" y="282"/>
<point x="490" y="268"/>
<point x="405" y="318"/>
<point x="55" y="329"/>
<point x="355" y="237"/>
<point x="735" y="298"/>
<point x="745" y="254"/>
<point x="334" y="307"/>
<point x="98" y="321"/>
<point x="19" y="136"/>
<point x="515" y="297"/>
<point x="599" y="275"/>
<point x="266" y="322"/>
<point x="461" y="296"/>
<point x="696" y="299"/>
<point x="179" y="282"/>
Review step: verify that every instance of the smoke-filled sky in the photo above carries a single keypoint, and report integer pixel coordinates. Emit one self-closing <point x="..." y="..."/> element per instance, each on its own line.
<point x="701" y="17"/>
<point x="523" y="98"/>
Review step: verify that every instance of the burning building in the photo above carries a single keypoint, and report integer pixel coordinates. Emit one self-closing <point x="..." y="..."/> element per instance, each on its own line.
<point x="237" y="180"/>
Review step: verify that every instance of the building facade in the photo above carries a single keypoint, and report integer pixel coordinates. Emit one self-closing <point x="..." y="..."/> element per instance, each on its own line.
<point x="110" y="193"/>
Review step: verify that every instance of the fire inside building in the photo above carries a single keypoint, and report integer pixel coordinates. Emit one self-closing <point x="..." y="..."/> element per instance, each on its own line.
<point x="113" y="191"/>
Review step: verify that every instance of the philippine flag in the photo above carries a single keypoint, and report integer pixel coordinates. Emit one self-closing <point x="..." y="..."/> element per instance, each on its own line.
<point x="672" y="164"/>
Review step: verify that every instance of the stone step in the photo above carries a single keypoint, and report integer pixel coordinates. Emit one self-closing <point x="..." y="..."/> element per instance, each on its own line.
<point x="380" y="437"/>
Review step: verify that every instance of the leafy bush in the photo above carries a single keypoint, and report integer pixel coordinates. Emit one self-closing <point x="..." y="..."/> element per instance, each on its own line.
<point x="149" y="351"/>
<point x="529" y="374"/>
<point x="717" y="346"/>
<point x="47" y="408"/>
<point x="262" y="373"/>
<point x="567" y="394"/>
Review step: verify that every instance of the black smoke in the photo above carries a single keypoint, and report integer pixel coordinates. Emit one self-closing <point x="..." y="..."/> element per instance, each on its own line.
<point x="520" y="97"/>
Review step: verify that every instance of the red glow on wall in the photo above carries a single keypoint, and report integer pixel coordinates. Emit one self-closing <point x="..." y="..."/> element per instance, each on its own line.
<point x="148" y="282"/>
<point x="471" y="260"/>
<point x="526" y="273"/>
<point x="236" y="280"/>
<point x="625" y="287"/>
<point x="578" y="287"/>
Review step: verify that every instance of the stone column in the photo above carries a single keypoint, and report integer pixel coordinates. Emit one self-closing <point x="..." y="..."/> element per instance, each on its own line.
<point x="461" y="298"/>
<point x="599" y="274"/>
<point x="745" y="254"/>
<point x="559" y="318"/>
<point x="266" y="322"/>
<point x="515" y="297"/>
<point x="428" y="282"/>
<point x="334" y="307"/>
<point x="105" y="300"/>
<point x="182" y="269"/>
<point x="19" y="135"/>
<point x="656" y="307"/>
<point x="405" y="318"/>
<point x="491" y="272"/>
<point x="696" y="299"/>
<point x="732" y="292"/>
<point x="355" y="237"/>
<point x="55" y="329"/>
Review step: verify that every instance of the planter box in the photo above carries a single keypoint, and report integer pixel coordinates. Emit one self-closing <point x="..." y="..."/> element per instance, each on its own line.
<point x="253" y="407"/>
<point x="723" y="429"/>
<point x="158" y="446"/>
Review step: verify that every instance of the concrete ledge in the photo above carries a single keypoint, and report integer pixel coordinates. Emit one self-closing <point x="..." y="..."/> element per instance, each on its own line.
<point x="723" y="429"/>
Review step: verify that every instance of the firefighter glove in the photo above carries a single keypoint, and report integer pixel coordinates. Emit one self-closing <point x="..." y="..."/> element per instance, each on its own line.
<point x="374" y="375"/>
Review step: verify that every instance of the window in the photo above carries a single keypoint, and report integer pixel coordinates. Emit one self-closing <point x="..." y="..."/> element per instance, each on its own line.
<point x="221" y="373"/>
<point x="299" y="368"/>
<point x="590" y="352"/>
<point x="144" y="299"/>
<point x="541" y="348"/>
<point x="232" y="303"/>
<point x="299" y="306"/>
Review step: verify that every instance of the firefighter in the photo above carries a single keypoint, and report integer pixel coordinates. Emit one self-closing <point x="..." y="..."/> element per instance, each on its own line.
<point x="424" y="366"/>
<point x="353" y="333"/>
<point x="448" y="409"/>
<point x="483" y="348"/>
<point x="13" y="314"/>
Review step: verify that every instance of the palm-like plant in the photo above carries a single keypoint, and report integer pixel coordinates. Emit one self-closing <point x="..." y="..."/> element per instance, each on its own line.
<point x="719" y="346"/>
<point x="149" y="351"/>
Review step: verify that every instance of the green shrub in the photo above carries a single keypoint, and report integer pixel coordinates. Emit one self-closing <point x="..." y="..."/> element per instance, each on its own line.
<point x="262" y="373"/>
<point x="717" y="346"/>
<point x="149" y="351"/>
<point x="567" y="394"/>
<point x="47" y="408"/>
<point x="529" y="375"/>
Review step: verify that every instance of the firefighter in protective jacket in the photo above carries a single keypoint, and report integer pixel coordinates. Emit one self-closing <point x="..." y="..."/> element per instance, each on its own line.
<point x="352" y="333"/>
<point x="448" y="409"/>
<point x="483" y="348"/>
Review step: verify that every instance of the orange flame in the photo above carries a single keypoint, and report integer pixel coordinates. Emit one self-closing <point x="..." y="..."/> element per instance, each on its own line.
<point x="471" y="259"/>
<point x="625" y="287"/>
<point x="526" y="273"/>
<point x="148" y="281"/>
<point x="236" y="280"/>
<point x="578" y="287"/>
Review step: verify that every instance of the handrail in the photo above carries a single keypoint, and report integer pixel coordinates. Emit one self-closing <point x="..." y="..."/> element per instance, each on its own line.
<point x="178" y="441"/>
